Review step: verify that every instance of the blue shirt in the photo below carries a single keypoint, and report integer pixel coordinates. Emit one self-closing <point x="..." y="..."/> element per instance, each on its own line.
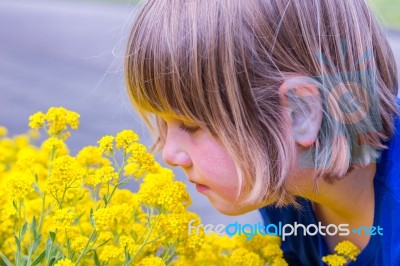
<point x="381" y="250"/>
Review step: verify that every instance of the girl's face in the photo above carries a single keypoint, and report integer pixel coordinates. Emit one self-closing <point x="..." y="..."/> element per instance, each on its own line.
<point x="206" y="163"/>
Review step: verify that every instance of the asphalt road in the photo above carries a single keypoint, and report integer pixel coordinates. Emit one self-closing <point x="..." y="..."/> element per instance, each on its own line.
<point x="59" y="53"/>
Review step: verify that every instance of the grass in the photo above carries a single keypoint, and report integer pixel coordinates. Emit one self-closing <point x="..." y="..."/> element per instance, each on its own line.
<point x="388" y="12"/>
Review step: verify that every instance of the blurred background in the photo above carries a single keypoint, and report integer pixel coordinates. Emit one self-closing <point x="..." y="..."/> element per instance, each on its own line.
<point x="70" y="53"/>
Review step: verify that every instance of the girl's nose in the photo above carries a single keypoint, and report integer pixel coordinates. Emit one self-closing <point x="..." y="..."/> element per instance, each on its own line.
<point x="175" y="155"/>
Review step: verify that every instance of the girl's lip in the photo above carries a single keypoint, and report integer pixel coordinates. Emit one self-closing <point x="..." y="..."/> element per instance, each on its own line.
<point x="201" y="188"/>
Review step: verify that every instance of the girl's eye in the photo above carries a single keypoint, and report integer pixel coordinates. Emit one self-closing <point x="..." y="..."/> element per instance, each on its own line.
<point x="188" y="129"/>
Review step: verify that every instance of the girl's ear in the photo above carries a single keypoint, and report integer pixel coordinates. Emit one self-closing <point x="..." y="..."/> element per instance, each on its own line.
<point x="303" y="103"/>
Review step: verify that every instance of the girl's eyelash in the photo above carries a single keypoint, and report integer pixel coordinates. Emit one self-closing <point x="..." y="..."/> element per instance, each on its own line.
<point x="188" y="129"/>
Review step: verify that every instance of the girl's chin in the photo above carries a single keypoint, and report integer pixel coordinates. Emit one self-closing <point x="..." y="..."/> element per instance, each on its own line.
<point x="227" y="208"/>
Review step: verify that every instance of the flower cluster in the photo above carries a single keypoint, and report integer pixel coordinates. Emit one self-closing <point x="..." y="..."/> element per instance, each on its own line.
<point x="226" y="251"/>
<point x="65" y="210"/>
<point x="345" y="252"/>
<point x="59" y="209"/>
<point x="56" y="121"/>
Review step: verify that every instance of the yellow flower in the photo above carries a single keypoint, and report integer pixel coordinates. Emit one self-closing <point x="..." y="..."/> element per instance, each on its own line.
<point x="174" y="197"/>
<point x="139" y="161"/>
<point x="152" y="261"/>
<point x="63" y="219"/>
<point x="137" y="229"/>
<point x="279" y="262"/>
<point x="55" y="145"/>
<point x="3" y="131"/>
<point x="112" y="255"/>
<point x="26" y="158"/>
<point x="106" y="144"/>
<point x="334" y="260"/>
<point x="36" y="120"/>
<point x="222" y="243"/>
<point x="243" y="257"/>
<point x="91" y="156"/>
<point x="154" y="221"/>
<point x="102" y="176"/>
<point x="172" y="229"/>
<point x="124" y="196"/>
<point x="66" y="173"/>
<point x="72" y="119"/>
<point x="8" y="209"/>
<point x="213" y="251"/>
<point x="258" y="242"/>
<point x="19" y="185"/>
<point x="78" y="243"/>
<point x="8" y="153"/>
<point x="347" y="249"/>
<point x="128" y="243"/>
<point x="105" y="236"/>
<point x="58" y="119"/>
<point x="160" y="174"/>
<point x="192" y="244"/>
<point x="105" y="219"/>
<point x="125" y="138"/>
<point x="33" y="206"/>
<point x="170" y="195"/>
<point x="272" y="251"/>
<point x="64" y="262"/>
<point x="21" y="141"/>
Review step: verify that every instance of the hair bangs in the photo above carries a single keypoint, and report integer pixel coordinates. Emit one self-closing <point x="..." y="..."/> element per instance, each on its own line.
<point x="170" y="69"/>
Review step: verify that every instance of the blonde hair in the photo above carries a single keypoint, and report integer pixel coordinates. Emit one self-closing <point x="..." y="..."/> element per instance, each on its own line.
<point x="220" y="64"/>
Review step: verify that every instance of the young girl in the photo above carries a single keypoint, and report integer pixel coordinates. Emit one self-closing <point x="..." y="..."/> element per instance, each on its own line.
<point x="286" y="106"/>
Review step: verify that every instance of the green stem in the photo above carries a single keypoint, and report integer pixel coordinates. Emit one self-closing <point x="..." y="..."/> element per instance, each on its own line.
<point x="19" y="219"/>
<point x="18" y="257"/>
<point x="85" y="248"/>
<point x="42" y="213"/>
<point x="168" y="260"/>
<point x="62" y="198"/>
<point x="144" y="242"/>
<point x="51" y="247"/>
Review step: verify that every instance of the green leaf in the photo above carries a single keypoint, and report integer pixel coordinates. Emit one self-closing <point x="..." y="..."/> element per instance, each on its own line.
<point x="48" y="247"/>
<point x="5" y="260"/>
<point x="36" y="177"/>
<point x="39" y="258"/>
<point x="18" y="243"/>
<point x="91" y="217"/>
<point x="54" y="251"/>
<point x="52" y="236"/>
<point x="15" y="205"/>
<point x="24" y="260"/>
<point x="128" y="257"/>
<point x="68" y="246"/>
<point x="37" y="190"/>
<point x="23" y="231"/>
<point x="36" y="244"/>
<point x="33" y="228"/>
<point x="77" y="219"/>
<point x="96" y="259"/>
<point x="105" y="199"/>
<point x="52" y="261"/>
